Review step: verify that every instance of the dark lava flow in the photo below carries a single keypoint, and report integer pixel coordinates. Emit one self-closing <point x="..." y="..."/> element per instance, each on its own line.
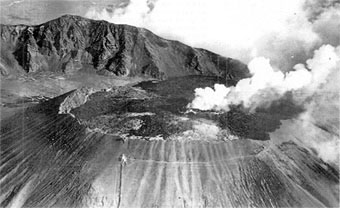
<point x="170" y="98"/>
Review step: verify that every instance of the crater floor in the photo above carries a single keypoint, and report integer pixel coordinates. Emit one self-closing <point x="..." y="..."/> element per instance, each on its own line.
<point x="140" y="147"/>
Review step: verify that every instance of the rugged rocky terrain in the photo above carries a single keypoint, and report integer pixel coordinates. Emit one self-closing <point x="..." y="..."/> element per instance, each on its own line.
<point x="139" y="147"/>
<point x="72" y="43"/>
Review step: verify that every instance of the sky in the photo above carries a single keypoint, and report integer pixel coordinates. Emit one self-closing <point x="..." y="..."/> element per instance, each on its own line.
<point x="40" y="11"/>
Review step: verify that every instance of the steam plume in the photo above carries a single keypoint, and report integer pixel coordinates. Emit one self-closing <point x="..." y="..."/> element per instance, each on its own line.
<point x="267" y="84"/>
<point x="316" y="85"/>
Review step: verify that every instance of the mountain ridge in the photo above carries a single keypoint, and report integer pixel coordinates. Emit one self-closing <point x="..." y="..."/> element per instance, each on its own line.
<point x="71" y="43"/>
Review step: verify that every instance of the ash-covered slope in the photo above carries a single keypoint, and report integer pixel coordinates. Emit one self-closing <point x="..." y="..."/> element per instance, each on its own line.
<point x="72" y="43"/>
<point x="138" y="147"/>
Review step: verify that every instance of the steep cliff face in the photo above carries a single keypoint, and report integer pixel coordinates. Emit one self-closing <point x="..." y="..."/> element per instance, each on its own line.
<point x="72" y="43"/>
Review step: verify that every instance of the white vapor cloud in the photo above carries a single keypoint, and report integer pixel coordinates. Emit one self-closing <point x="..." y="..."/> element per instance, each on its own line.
<point x="267" y="84"/>
<point x="316" y="85"/>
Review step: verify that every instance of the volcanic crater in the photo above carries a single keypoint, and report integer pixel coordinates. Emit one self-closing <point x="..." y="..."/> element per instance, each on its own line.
<point x="138" y="144"/>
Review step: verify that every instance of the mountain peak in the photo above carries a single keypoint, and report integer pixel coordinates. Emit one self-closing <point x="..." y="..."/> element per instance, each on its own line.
<point x="70" y="18"/>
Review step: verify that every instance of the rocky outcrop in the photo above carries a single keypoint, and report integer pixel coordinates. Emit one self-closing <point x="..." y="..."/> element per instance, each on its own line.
<point x="75" y="99"/>
<point x="72" y="43"/>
